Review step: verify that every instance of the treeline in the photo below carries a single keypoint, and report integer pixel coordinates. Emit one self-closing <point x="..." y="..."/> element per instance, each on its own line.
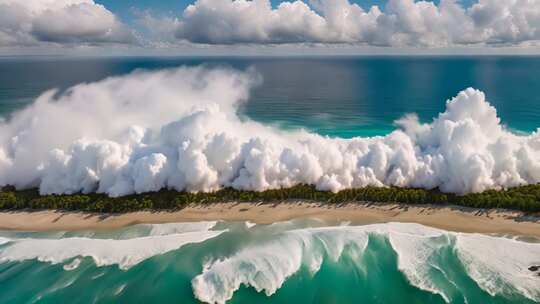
<point x="524" y="198"/>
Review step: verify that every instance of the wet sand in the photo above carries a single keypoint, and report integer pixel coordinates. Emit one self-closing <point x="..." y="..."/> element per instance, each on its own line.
<point x="450" y="218"/>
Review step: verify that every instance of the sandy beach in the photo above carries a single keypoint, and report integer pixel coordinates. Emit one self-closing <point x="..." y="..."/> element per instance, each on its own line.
<point x="449" y="218"/>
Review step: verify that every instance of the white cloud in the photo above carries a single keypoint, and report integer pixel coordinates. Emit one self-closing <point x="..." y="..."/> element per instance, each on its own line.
<point x="504" y="21"/>
<point x="160" y="29"/>
<point x="225" y="22"/>
<point x="402" y="23"/>
<point x="59" y="21"/>
<point x="179" y="129"/>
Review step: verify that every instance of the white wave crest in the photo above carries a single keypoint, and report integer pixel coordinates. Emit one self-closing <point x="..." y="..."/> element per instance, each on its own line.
<point x="133" y="231"/>
<point x="266" y="266"/>
<point x="179" y="129"/>
<point x="73" y="265"/>
<point x="175" y="228"/>
<point x="500" y="264"/>
<point x="3" y="240"/>
<point x="249" y="224"/>
<point x="414" y="251"/>
<point x="125" y="253"/>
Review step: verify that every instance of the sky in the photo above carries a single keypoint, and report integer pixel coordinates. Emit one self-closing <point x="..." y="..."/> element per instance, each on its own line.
<point x="207" y="27"/>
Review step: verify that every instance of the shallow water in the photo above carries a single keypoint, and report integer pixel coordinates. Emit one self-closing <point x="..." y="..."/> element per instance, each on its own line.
<point x="243" y="263"/>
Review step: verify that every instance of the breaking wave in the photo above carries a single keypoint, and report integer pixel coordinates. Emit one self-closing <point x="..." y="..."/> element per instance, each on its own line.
<point x="449" y="265"/>
<point x="179" y="129"/>
<point x="121" y="250"/>
<point x="265" y="267"/>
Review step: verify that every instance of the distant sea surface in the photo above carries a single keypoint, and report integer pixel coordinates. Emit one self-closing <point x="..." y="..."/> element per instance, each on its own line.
<point x="335" y="96"/>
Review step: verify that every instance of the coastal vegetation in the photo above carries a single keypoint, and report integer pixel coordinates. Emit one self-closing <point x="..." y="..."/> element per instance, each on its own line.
<point x="523" y="198"/>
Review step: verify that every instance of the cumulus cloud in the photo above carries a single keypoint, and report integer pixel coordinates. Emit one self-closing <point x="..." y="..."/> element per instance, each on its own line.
<point x="59" y="21"/>
<point x="160" y="29"/>
<point x="226" y="22"/>
<point x="399" y="23"/>
<point x="179" y="129"/>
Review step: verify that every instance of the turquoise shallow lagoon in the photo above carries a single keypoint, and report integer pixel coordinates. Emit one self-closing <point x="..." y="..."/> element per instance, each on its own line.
<point x="302" y="261"/>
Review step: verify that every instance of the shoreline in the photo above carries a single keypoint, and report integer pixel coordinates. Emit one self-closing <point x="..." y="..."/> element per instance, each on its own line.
<point x="451" y="218"/>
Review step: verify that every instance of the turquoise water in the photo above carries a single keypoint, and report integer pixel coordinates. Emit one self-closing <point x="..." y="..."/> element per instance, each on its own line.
<point x="304" y="261"/>
<point x="337" y="96"/>
<point x="293" y="262"/>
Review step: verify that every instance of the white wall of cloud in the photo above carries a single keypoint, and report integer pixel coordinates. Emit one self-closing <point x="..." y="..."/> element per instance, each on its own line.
<point x="399" y="23"/>
<point x="179" y="129"/>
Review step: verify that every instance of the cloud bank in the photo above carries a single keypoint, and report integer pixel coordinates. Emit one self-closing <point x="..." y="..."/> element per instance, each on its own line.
<point x="179" y="129"/>
<point x="34" y="22"/>
<point x="399" y="23"/>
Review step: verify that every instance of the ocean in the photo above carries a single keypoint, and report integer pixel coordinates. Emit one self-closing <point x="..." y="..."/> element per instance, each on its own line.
<point x="335" y="96"/>
<point x="241" y="117"/>
<point x="300" y="261"/>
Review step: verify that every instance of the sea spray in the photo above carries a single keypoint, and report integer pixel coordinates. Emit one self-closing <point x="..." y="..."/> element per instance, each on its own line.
<point x="180" y="128"/>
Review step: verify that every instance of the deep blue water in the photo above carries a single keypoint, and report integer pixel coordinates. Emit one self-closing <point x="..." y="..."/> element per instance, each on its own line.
<point x="337" y="96"/>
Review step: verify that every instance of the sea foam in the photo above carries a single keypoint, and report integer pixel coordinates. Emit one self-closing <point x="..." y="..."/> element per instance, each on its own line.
<point x="123" y="252"/>
<point x="175" y="228"/>
<point x="266" y="266"/>
<point x="500" y="265"/>
<point x="281" y="250"/>
<point x="180" y="129"/>
<point x="4" y="240"/>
